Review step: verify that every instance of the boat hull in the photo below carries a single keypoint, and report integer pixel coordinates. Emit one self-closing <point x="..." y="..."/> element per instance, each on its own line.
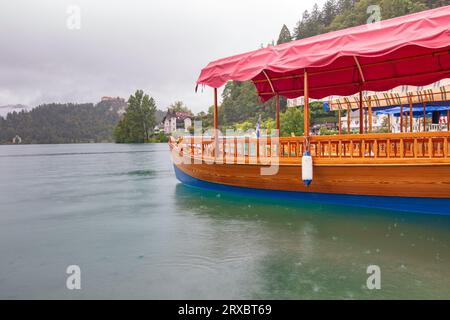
<point x="421" y="189"/>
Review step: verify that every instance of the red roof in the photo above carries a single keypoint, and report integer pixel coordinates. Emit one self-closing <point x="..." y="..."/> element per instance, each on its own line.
<point x="408" y="50"/>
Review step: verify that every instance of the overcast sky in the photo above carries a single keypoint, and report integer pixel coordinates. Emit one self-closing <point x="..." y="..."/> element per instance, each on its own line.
<point x="123" y="45"/>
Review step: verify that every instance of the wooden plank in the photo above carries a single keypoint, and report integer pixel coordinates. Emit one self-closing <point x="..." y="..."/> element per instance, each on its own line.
<point x="329" y="148"/>
<point x="402" y="148"/>
<point x="388" y="148"/>
<point x="445" y="147"/>
<point x="363" y="149"/>
<point x="351" y="149"/>
<point x="430" y="147"/>
<point x="415" y="148"/>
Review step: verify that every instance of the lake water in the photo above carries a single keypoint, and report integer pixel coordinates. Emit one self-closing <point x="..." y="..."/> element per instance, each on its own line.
<point x="118" y="212"/>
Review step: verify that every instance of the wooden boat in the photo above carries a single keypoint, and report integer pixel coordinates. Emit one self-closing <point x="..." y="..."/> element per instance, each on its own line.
<point x="407" y="171"/>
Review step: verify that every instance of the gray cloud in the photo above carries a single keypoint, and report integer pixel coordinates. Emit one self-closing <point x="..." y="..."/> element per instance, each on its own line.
<point x="159" y="46"/>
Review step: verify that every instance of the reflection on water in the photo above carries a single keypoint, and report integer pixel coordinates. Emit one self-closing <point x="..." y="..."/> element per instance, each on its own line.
<point x="118" y="212"/>
<point x="322" y="251"/>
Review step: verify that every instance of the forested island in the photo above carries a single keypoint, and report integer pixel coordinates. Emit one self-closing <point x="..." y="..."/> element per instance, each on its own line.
<point x="62" y="123"/>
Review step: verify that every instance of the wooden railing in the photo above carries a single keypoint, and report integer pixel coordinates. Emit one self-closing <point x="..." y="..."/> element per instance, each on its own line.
<point x="352" y="146"/>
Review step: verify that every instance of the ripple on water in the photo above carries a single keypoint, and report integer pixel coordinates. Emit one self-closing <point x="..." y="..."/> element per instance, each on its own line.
<point x="141" y="173"/>
<point x="138" y="173"/>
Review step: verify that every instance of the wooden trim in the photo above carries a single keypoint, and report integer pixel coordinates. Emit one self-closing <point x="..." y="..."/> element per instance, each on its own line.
<point x="369" y="106"/>
<point x="216" y="123"/>
<point x="448" y="120"/>
<point x="340" y="121"/>
<point x="356" y="84"/>
<point x="424" y="116"/>
<point x="401" y="118"/>
<point x="386" y="99"/>
<point x="270" y="82"/>
<point x="216" y="116"/>
<point x="361" y="74"/>
<point x="348" y="118"/>
<point x="410" y="115"/>
<point x="277" y="111"/>
<point x="352" y="67"/>
<point x="397" y="148"/>
<point x="361" y="115"/>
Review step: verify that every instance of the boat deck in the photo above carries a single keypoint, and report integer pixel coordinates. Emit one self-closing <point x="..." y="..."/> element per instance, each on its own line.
<point x="348" y="149"/>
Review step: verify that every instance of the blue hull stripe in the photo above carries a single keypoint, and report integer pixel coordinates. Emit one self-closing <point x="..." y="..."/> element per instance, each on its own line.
<point x="409" y="204"/>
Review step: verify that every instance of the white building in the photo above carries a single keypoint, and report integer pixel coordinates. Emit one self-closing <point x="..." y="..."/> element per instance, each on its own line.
<point x="178" y="121"/>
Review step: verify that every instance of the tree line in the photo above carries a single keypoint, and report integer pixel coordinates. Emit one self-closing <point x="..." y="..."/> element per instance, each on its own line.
<point x="62" y="123"/>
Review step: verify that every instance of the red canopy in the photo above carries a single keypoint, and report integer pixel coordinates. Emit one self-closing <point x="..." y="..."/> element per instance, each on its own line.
<point x="408" y="50"/>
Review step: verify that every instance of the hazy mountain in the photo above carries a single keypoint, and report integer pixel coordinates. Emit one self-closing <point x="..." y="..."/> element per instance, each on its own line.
<point x="63" y="123"/>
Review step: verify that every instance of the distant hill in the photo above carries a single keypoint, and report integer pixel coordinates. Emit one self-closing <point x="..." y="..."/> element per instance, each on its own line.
<point x="63" y="123"/>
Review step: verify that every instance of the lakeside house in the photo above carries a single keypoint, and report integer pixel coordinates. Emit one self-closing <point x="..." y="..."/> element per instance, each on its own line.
<point x="177" y="121"/>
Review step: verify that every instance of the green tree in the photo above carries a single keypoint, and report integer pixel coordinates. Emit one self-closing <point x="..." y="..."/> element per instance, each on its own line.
<point x="138" y="121"/>
<point x="329" y="11"/>
<point x="291" y="122"/>
<point x="395" y="8"/>
<point x="179" y="106"/>
<point x="240" y="102"/>
<point x="285" y="35"/>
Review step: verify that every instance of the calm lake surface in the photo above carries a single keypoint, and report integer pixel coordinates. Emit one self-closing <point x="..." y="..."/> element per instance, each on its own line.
<point x="119" y="213"/>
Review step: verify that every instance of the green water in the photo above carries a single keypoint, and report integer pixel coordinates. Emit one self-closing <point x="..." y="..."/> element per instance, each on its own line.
<point x="118" y="212"/>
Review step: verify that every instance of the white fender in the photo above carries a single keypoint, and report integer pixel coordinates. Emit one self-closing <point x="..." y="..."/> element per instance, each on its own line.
<point x="307" y="168"/>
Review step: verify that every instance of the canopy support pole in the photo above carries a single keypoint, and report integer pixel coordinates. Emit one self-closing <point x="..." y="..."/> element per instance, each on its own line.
<point x="340" y="122"/>
<point x="448" y="120"/>
<point x="216" y="124"/>
<point x="410" y="115"/>
<point x="389" y="123"/>
<point x="348" y="117"/>
<point x="424" y="116"/>
<point x="306" y="105"/>
<point x="401" y="118"/>
<point x="369" y="105"/>
<point x="361" y="74"/>
<point x="278" y="112"/>
<point x="361" y="116"/>
<point x="366" y="120"/>
<point x="361" y="111"/>
<point x="277" y="97"/>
